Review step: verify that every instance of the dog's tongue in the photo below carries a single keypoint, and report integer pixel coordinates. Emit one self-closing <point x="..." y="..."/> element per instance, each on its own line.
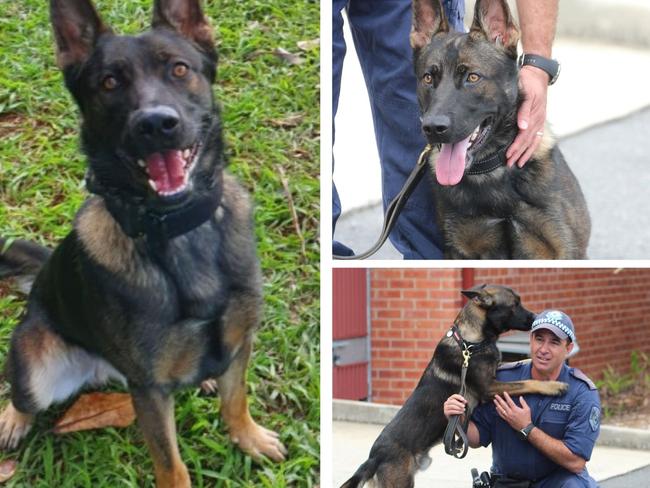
<point x="450" y="165"/>
<point x="166" y="170"/>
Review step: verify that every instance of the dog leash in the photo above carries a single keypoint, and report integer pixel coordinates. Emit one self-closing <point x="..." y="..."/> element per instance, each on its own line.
<point x="455" y="438"/>
<point x="395" y="206"/>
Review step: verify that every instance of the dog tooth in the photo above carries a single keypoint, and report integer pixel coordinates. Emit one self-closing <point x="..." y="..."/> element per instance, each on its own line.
<point x="186" y="153"/>
<point x="141" y="163"/>
<point x="152" y="184"/>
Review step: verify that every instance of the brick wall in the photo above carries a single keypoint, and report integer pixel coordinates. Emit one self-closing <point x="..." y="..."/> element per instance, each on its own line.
<point x="412" y="308"/>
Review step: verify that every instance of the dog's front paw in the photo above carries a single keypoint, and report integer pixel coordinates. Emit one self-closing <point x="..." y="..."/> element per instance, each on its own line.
<point x="257" y="441"/>
<point x="14" y="425"/>
<point x="556" y="388"/>
<point x="209" y="387"/>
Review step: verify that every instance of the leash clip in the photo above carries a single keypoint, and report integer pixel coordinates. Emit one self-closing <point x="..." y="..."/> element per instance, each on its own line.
<point x="466" y="356"/>
<point x="422" y="158"/>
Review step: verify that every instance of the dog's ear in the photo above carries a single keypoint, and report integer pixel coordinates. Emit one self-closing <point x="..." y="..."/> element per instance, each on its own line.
<point x="186" y="18"/>
<point x="493" y="20"/>
<point x="428" y="20"/>
<point x="479" y="296"/>
<point x="77" y="26"/>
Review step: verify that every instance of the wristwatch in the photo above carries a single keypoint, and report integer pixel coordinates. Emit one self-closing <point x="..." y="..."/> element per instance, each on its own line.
<point x="551" y="66"/>
<point x="523" y="433"/>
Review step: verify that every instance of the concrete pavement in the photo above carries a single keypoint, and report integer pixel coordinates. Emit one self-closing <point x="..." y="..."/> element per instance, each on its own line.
<point x="621" y="458"/>
<point x="352" y="440"/>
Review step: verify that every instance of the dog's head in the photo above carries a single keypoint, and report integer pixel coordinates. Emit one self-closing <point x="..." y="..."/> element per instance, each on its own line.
<point x="466" y="83"/>
<point x="150" y="127"/>
<point x="503" y="309"/>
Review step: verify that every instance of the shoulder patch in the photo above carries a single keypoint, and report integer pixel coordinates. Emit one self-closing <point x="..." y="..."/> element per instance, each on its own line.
<point x="513" y="365"/>
<point x="594" y="418"/>
<point x="579" y="375"/>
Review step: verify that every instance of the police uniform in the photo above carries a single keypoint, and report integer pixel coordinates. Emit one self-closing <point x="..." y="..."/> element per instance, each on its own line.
<point x="574" y="418"/>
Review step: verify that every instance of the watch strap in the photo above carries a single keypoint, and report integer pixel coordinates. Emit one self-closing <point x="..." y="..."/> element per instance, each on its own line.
<point x="526" y="430"/>
<point x="550" y="66"/>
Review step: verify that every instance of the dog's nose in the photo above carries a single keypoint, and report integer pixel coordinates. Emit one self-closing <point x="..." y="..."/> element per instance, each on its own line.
<point x="161" y="121"/>
<point x="437" y="125"/>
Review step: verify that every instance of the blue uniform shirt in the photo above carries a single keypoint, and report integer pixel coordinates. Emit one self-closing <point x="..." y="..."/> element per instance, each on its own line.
<point x="573" y="418"/>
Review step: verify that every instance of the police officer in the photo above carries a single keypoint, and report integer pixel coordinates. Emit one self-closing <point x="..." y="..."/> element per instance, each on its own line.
<point x="539" y="441"/>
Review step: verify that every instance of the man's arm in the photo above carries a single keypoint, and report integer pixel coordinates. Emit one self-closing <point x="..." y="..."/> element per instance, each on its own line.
<point x="537" y="20"/>
<point x="554" y="449"/>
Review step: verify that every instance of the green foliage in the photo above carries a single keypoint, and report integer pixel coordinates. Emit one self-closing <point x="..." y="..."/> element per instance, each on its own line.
<point x="41" y="174"/>
<point x="619" y="390"/>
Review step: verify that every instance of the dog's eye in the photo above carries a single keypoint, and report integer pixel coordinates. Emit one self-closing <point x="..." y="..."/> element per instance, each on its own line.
<point x="109" y="83"/>
<point x="180" y="70"/>
<point x="427" y="78"/>
<point x="473" y="77"/>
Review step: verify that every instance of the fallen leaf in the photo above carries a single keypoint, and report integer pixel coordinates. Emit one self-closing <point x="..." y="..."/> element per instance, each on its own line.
<point x="309" y="45"/>
<point x="96" y="411"/>
<point x="288" y="122"/>
<point x="287" y="56"/>
<point x="7" y="469"/>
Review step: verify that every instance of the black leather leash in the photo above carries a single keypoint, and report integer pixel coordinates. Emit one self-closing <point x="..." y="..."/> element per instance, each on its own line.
<point x="455" y="438"/>
<point x="397" y="204"/>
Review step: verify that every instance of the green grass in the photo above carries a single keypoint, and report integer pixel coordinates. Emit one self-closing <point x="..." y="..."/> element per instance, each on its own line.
<point x="41" y="174"/>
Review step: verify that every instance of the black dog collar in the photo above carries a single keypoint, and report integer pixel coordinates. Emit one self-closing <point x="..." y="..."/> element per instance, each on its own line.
<point x="489" y="164"/>
<point x="138" y="220"/>
<point x="471" y="347"/>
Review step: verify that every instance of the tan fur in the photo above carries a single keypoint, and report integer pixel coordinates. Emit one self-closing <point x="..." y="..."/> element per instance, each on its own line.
<point x="526" y="387"/>
<point x="104" y="240"/>
<point x="155" y="414"/>
<point x="14" y="425"/>
<point x="248" y="435"/>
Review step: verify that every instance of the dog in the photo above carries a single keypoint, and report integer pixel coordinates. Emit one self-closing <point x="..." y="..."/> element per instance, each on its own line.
<point x="158" y="284"/>
<point x="468" y="94"/>
<point x="402" y="447"/>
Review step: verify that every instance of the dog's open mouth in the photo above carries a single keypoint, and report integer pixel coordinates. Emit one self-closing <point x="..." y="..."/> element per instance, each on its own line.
<point x="454" y="158"/>
<point x="169" y="171"/>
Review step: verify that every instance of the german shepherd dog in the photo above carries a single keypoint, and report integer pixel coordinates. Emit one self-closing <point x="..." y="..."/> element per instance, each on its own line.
<point x="468" y="95"/>
<point x="402" y="447"/>
<point x="158" y="283"/>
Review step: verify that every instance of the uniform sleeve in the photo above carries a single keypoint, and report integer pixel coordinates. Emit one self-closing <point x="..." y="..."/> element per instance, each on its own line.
<point x="482" y="416"/>
<point x="584" y="424"/>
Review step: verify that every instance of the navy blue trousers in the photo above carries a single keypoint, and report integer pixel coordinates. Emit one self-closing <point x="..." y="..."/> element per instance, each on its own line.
<point x="380" y="30"/>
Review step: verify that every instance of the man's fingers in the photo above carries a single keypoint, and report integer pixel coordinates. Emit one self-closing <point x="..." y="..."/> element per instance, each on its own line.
<point x="458" y="397"/>
<point x="499" y="402"/>
<point x="523" y="115"/>
<point x="509" y="401"/>
<point x="529" y="152"/>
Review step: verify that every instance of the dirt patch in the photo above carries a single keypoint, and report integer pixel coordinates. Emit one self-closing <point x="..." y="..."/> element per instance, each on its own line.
<point x="10" y="122"/>
<point x="629" y="408"/>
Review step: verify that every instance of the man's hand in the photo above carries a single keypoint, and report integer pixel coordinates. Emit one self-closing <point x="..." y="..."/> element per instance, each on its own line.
<point x="531" y="116"/>
<point x="455" y="405"/>
<point x="516" y="417"/>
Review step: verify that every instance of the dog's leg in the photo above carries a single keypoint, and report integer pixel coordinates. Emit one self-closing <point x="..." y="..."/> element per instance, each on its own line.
<point x="155" y="412"/>
<point x="550" y="388"/>
<point x="43" y="369"/>
<point x="240" y="319"/>
<point x="249" y="436"/>
<point x="399" y="472"/>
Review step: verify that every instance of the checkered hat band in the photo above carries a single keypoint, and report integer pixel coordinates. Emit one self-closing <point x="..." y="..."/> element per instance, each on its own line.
<point x="557" y="323"/>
